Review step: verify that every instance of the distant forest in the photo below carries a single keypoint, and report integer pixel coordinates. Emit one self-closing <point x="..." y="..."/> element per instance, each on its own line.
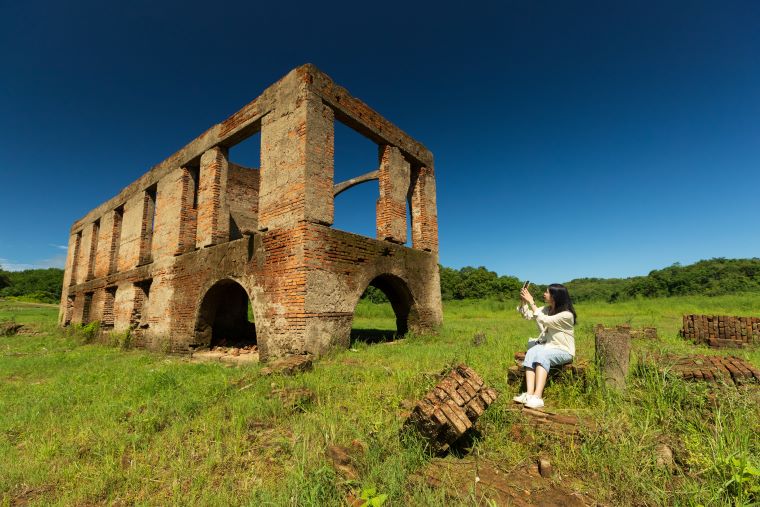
<point x="40" y="285"/>
<point x="712" y="277"/>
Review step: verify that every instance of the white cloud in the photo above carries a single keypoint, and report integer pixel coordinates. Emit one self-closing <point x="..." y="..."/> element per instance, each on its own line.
<point x="57" y="261"/>
<point x="7" y="265"/>
<point x="60" y="247"/>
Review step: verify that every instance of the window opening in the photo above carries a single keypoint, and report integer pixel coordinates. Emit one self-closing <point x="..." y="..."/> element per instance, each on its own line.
<point x="243" y="183"/>
<point x="355" y="155"/>
<point x="142" y="296"/>
<point x="107" y="322"/>
<point x="87" y="307"/>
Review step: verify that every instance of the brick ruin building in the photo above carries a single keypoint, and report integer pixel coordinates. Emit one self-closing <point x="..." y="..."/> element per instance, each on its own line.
<point x="177" y="256"/>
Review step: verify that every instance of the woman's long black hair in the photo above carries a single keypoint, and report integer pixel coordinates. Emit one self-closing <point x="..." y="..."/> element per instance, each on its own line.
<point x="562" y="301"/>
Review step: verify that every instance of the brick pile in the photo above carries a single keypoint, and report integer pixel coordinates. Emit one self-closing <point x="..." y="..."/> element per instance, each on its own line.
<point x="710" y="368"/>
<point x="719" y="331"/>
<point x="451" y="407"/>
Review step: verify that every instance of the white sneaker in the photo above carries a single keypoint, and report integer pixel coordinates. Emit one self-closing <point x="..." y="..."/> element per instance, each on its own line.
<point x="522" y="398"/>
<point x="534" y="402"/>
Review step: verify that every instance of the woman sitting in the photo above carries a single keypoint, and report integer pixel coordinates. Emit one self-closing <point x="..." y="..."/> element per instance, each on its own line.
<point x="555" y="345"/>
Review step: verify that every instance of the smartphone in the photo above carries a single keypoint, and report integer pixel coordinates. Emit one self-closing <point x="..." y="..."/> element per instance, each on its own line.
<point x="526" y="284"/>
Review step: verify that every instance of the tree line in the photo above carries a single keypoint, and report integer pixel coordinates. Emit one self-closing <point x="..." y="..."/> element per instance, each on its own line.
<point x="42" y="285"/>
<point x="712" y="277"/>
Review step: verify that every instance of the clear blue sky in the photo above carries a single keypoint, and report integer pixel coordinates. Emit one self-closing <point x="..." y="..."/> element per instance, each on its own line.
<point x="571" y="139"/>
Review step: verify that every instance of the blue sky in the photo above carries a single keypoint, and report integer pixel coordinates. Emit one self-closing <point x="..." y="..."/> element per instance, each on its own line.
<point x="571" y="139"/>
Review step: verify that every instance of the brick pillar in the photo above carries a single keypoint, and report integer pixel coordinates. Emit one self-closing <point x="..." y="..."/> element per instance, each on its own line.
<point x="113" y="254"/>
<point x="393" y="177"/>
<point x="75" y="259"/>
<point x="93" y="249"/>
<point x="213" y="226"/>
<point x="188" y="218"/>
<point x="297" y="156"/>
<point x="424" y="213"/>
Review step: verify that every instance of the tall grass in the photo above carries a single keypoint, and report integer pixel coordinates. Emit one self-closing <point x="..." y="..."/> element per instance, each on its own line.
<point x="86" y="423"/>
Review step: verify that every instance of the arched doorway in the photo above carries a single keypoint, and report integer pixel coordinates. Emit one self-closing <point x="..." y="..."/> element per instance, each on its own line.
<point x="378" y="326"/>
<point x="225" y="317"/>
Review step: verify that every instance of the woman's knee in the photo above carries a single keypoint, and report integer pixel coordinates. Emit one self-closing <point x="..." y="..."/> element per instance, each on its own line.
<point x="532" y="356"/>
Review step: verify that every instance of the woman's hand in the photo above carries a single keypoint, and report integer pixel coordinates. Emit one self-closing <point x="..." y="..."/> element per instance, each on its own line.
<point x="525" y="294"/>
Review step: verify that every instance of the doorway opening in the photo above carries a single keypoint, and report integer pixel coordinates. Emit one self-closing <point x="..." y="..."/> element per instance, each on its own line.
<point x="225" y="318"/>
<point x="382" y="313"/>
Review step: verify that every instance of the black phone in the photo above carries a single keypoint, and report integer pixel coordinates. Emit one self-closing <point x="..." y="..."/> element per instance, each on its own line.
<point x="526" y="284"/>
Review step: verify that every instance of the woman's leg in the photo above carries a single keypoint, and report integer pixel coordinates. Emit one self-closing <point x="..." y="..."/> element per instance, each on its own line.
<point x="530" y="380"/>
<point x="540" y="376"/>
<point x="547" y="358"/>
<point x="530" y="373"/>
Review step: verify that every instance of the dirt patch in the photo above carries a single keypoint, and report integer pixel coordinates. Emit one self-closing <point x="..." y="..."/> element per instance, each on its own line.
<point x="289" y="365"/>
<point x="10" y="328"/>
<point x="26" y="494"/>
<point x="228" y="355"/>
<point x="295" y="399"/>
<point x="488" y="484"/>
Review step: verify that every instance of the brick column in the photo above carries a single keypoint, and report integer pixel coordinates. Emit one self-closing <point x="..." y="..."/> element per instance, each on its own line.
<point x="297" y="157"/>
<point x="424" y="213"/>
<point x="213" y="226"/>
<point x="393" y="178"/>
<point x="75" y="258"/>
<point x="188" y="217"/>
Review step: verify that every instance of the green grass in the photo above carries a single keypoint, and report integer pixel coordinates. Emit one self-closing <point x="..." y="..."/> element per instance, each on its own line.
<point x="92" y="424"/>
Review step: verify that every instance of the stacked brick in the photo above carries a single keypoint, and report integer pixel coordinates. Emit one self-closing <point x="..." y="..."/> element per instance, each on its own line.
<point x="451" y="407"/>
<point x="721" y="331"/>
<point x="711" y="368"/>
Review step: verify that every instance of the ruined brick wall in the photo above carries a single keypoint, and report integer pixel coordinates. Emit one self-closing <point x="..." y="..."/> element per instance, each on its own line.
<point x="716" y="330"/>
<point x="146" y="260"/>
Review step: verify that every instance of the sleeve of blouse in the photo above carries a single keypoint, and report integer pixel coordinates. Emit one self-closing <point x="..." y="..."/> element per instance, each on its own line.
<point x="526" y="312"/>
<point x="556" y="321"/>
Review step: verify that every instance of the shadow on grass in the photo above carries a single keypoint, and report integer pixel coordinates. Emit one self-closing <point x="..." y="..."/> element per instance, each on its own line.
<point x="371" y="336"/>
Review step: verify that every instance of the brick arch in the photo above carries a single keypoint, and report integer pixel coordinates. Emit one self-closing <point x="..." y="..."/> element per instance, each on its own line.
<point x="222" y="315"/>
<point x="398" y="292"/>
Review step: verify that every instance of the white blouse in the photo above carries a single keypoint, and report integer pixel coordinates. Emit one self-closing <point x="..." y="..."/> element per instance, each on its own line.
<point x="556" y="330"/>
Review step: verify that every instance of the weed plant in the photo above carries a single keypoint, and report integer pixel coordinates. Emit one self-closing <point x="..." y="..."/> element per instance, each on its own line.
<point x="91" y="423"/>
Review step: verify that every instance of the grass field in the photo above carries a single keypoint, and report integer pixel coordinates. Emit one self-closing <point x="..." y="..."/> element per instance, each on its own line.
<point x="84" y="424"/>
